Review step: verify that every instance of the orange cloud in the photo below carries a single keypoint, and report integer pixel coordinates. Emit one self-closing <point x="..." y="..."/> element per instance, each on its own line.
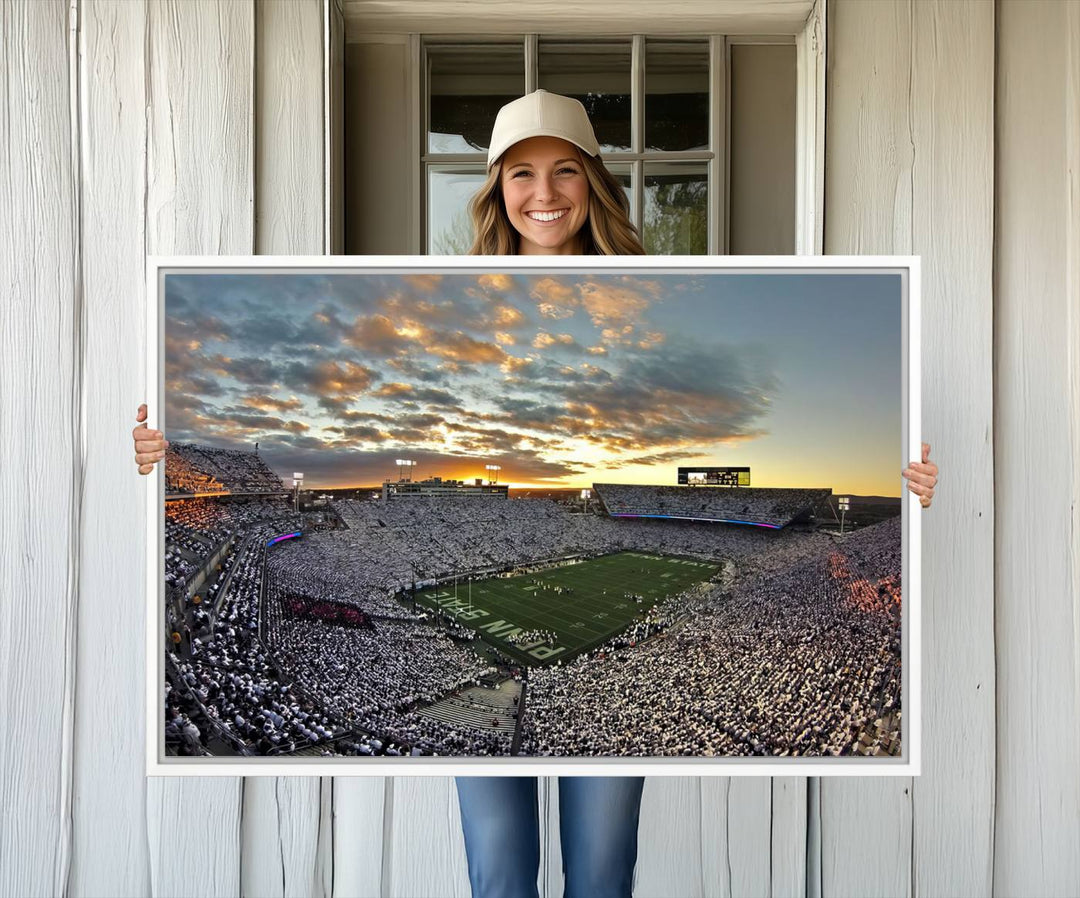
<point x="495" y="282"/>
<point x="555" y="299"/>
<point x="426" y="282"/>
<point x="393" y="389"/>
<point x="460" y="347"/>
<point x="617" y="334"/>
<point x="610" y="305"/>
<point x="513" y="363"/>
<point x="376" y="334"/>
<point x="269" y="404"/>
<point x="507" y="316"/>
<point x="342" y="378"/>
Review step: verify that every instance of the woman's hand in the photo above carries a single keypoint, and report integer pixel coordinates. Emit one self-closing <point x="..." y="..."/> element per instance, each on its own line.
<point x="922" y="477"/>
<point x="150" y="445"/>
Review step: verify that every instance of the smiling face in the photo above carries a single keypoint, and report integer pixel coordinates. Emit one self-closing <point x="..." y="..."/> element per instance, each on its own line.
<point x="546" y="195"/>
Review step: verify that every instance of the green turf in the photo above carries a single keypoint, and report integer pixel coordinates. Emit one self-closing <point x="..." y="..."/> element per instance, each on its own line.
<point x="596" y="609"/>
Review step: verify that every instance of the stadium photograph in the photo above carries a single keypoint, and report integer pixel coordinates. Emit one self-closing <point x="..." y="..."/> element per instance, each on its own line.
<point x="576" y="514"/>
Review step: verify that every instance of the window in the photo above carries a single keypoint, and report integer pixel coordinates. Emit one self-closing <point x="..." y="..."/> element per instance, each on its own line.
<point x="660" y="108"/>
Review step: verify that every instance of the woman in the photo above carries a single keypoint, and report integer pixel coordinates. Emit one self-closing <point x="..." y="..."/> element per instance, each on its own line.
<point x="548" y="193"/>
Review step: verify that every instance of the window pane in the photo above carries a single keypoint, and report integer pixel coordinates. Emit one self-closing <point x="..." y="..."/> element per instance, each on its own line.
<point x="676" y="95"/>
<point x="449" y="191"/>
<point x="598" y="74"/>
<point x="467" y="84"/>
<point x="676" y="209"/>
<point x="623" y="175"/>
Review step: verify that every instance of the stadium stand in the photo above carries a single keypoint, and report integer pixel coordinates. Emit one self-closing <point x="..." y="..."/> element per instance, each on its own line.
<point x="191" y="468"/>
<point x="800" y="656"/>
<point x="743" y="505"/>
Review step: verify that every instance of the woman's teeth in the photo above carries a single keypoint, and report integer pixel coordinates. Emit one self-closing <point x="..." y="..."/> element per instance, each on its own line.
<point x="546" y="216"/>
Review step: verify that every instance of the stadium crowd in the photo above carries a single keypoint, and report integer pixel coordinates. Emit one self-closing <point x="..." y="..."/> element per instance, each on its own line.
<point x="195" y="529"/>
<point x="193" y="468"/>
<point x="796" y="660"/>
<point x="773" y="507"/>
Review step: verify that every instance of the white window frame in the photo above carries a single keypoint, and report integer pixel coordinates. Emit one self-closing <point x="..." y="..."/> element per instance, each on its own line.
<point x="809" y="40"/>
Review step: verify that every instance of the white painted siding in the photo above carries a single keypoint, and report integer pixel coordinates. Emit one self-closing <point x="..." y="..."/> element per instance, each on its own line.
<point x="1037" y="839"/>
<point x="909" y="149"/>
<point x="134" y="127"/>
<point x="200" y="199"/>
<point x="109" y="826"/>
<point x="41" y="444"/>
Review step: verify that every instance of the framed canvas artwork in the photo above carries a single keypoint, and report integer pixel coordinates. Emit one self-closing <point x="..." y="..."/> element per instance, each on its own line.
<point x="472" y="515"/>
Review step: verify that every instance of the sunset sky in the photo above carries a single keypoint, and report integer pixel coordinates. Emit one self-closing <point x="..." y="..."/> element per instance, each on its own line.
<point x="563" y="380"/>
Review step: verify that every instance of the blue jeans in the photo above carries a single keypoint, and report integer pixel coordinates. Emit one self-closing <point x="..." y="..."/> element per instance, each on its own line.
<point x="598" y="828"/>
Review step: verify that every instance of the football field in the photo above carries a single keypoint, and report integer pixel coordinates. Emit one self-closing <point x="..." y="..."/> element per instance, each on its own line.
<point x="583" y="603"/>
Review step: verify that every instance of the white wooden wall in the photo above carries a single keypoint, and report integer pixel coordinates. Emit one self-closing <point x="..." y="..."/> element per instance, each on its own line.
<point x="185" y="126"/>
<point x="1037" y="450"/>
<point x="909" y="151"/>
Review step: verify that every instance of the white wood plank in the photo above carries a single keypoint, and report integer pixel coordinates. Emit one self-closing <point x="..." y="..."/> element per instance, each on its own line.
<point x="110" y="781"/>
<point x="599" y="17"/>
<point x="334" y="124"/>
<point x="282" y="815"/>
<point x="788" y="845"/>
<point x="868" y="152"/>
<point x="810" y="134"/>
<point x="41" y="437"/>
<point x="360" y="806"/>
<point x="199" y="200"/>
<point x="324" y="858"/>
<point x="952" y="81"/>
<point x="868" y="195"/>
<point x="670" y="838"/>
<point x="280" y="837"/>
<point x="1072" y="290"/>
<point x="912" y="172"/>
<point x="715" y="845"/>
<point x="289" y="127"/>
<point x="736" y="836"/>
<point x="200" y="187"/>
<point x="424" y="848"/>
<point x="193" y="830"/>
<point x="856" y="859"/>
<point x="1037" y="821"/>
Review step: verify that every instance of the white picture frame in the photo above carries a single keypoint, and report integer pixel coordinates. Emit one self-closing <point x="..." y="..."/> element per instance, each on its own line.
<point x="909" y="761"/>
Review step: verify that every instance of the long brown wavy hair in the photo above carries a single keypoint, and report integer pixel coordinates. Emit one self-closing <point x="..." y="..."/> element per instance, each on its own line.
<point x="607" y="231"/>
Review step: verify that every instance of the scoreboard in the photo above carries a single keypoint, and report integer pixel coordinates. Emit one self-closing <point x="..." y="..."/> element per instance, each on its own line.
<point x="714" y="476"/>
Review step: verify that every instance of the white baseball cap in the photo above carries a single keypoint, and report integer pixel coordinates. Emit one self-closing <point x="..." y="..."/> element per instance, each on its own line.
<point x="541" y="114"/>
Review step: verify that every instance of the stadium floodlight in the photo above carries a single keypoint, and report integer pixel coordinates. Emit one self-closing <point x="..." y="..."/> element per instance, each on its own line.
<point x="493" y="472"/>
<point x="403" y="465"/>
<point x="586" y="495"/>
<point x="298" y="481"/>
<point x="844" y="503"/>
